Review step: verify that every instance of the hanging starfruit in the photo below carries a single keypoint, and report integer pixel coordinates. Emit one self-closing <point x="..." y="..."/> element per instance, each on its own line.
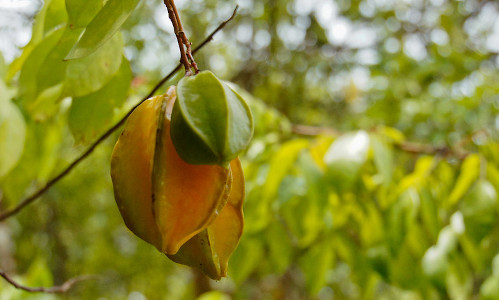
<point x="210" y="249"/>
<point x="173" y="204"/>
<point x="211" y="123"/>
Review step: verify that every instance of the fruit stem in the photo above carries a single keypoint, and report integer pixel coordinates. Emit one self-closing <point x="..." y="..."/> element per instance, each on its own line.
<point x="186" y="57"/>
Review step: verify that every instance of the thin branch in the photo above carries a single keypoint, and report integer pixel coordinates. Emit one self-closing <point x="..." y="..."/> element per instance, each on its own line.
<point x="186" y="57"/>
<point x="222" y="25"/>
<point x="50" y="290"/>
<point x="410" y="147"/>
<point x="106" y="134"/>
<point x="417" y="148"/>
<point x="185" y="40"/>
<point x="313" y="130"/>
<point x="176" y="29"/>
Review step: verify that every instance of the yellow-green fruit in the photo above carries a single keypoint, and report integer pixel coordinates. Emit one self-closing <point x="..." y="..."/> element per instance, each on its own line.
<point x="162" y="199"/>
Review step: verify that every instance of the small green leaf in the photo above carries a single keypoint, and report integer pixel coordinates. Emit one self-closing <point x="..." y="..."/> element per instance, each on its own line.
<point x="34" y="61"/>
<point x="53" y="69"/>
<point x="315" y="265"/>
<point x="39" y="273"/>
<point x="12" y="132"/>
<point x="423" y="167"/>
<point x="435" y="264"/>
<point x="247" y="257"/>
<point x="102" y="27"/>
<point x="89" y="74"/>
<point x="91" y="114"/>
<point x="280" y="247"/>
<point x="3" y="66"/>
<point x="46" y="103"/>
<point x="479" y="209"/>
<point x="470" y="170"/>
<point x="459" y="279"/>
<point x="55" y="15"/>
<point x="280" y="164"/>
<point x="401" y="217"/>
<point x="211" y="124"/>
<point x="383" y="158"/>
<point x="489" y="290"/>
<point x="429" y="214"/>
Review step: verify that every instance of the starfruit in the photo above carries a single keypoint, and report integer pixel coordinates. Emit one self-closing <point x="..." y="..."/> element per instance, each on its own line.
<point x="170" y="203"/>
<point x="210" y="249"/>
<point x="211" y="123"/>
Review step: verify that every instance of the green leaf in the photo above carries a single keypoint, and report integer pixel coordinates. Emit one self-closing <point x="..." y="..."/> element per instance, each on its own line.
<point x="472" y="252"/>
<point x="82" y="12"/>
<point x="470" y="170"/>
<point x="3" y="66"/>
<point x="429" y="214"/>
<point x="39" y="273"/>
<point x="12" y="132"/>
<point x="39" y="158"/>
<point x="419" y="176"/>
<point x="479" y="209"/>
<point x="490" y="288"/>
<point x="102" y="27"/>
<point x="305" y="201"/>
<point x="402" y="216"/>
<point x="379" y="257"/>
<point x="447" y="240"/>
<point x="53" y="69"/>
<point x="55" y="15"/>
<point x="493" y="175"/>
<point x="495" y="265"/>
<point x="435" y="264"/>
<point x="46" y="103"/>
<point x="92" y="114"/>
<point x="280" y="165"/>
<point x="315" y="264"/>
<point x="459" y="280"/>
<point x="89" y="74"/>
<point x="36" y="37"/>
<point x="211" y="124"/>
<point x="247" y="257"/>
<point x="281" y="249"/>
<point x="29" y="70"/>
<point x="383" y="158"/>
<point x="404" y="269"/>
<point x="259" y="198"/>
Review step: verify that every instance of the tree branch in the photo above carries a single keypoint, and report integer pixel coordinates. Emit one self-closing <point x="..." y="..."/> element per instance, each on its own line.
<point x="176" y="29"/>
<point x="50" y="290"/>
<point x="186" y="57"/>
<point x="410" y="147"/>
<point x="106" y="134"/>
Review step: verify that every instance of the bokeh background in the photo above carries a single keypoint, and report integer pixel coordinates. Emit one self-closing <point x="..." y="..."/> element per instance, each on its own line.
<point x="373" y="172"/>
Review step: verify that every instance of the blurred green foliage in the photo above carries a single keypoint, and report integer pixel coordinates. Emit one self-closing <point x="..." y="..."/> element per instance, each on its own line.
<point x="392" y="194"/>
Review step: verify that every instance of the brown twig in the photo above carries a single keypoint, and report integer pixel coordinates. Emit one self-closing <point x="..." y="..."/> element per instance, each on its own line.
<point x="313" y="130"/>
<point x="50" y="290"/>
<point x="50" y="183"/>
<point x="417" y="148"/>
<point x="183" y="57"/>
<point x="185" y="40"/>
<point x="410" y="147"/>
<point x="186" y="57"/>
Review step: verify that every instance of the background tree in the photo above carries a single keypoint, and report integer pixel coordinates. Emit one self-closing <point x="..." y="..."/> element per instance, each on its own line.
<point x="373" y="172"/>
